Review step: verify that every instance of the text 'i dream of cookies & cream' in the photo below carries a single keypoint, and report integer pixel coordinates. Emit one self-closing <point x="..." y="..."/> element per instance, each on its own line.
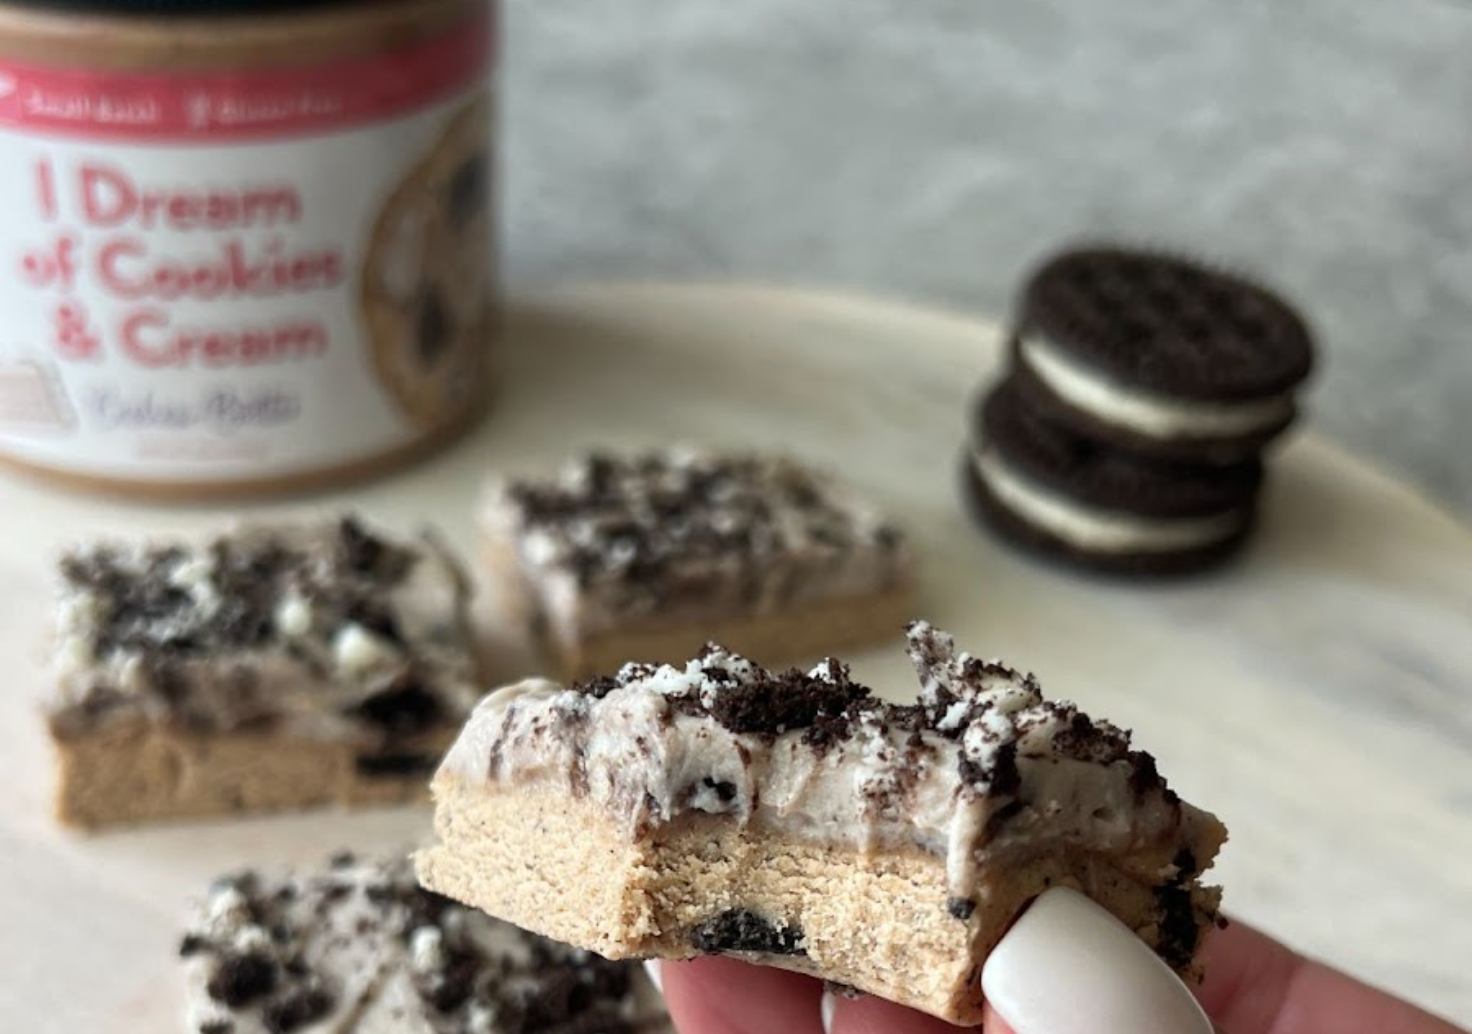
<point x="242" y="248"/>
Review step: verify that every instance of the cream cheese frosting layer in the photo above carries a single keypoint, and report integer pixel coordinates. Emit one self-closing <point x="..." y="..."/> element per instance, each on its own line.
<point x="980" y="769"/>
<point x="1146" y="413"/>
<point x="610" y="541"/>
<point x="327" y="630"/>
<point x="1095" y="528"/>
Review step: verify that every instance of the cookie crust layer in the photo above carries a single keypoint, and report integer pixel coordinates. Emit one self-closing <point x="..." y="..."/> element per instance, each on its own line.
<point x="882" y="922"/>
<point x="141" y="773"/>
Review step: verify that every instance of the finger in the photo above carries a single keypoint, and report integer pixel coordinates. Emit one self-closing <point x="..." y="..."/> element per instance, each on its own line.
<point x="870" y="1015"/>
<point x="1067" y="966"/>
<point x="724" y="996"/>
<point x="995" y="1024"/>
<point x="1256" y="984"/>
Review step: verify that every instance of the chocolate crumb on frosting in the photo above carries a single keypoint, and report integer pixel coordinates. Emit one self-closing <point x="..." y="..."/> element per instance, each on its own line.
<point x="826" y="705"/>
<point x="296" y="1010"/>
<point x="787" y="700"/>
<point x="964" y="700"/>
<point x="241" y="978"/>
<point x="661" y="527"/>
<point x="333" y="628"/>
<point x="167" y="600"/>
<point x="277" y="955"/>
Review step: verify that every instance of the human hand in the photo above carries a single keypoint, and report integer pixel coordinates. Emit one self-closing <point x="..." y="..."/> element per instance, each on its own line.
<point x="1063" y="969"/>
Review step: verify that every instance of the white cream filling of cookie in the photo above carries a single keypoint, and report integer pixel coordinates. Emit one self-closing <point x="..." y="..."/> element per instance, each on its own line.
<point x="1094" y="528"/>
<point x="648" y="762"/>
<point x="1141" y="411"/>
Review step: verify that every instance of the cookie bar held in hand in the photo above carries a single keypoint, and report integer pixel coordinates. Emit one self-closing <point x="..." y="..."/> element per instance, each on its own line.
<point x="798" y="820"/>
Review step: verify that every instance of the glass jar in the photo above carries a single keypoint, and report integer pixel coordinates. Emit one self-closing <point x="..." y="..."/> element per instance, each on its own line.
<point x="246" y="246"/>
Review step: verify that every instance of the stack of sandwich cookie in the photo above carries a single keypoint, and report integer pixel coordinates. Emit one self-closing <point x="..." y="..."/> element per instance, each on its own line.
<point x="1127" y="434"/>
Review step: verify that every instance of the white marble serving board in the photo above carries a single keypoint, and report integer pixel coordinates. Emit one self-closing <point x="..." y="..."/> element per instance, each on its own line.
<point x="1315" y="694"/>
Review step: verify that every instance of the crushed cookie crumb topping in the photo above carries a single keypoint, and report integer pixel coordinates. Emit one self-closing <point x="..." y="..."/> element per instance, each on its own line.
<point x="655" y="520"/>
<point x="220" y="634"/>
<point x="991" y="710"/>
<point x="333" y="930"/>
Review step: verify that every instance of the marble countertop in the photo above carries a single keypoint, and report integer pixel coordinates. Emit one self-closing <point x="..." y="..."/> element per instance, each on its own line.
<point x="1314" y="694"/>
<point x="934" y="151"/>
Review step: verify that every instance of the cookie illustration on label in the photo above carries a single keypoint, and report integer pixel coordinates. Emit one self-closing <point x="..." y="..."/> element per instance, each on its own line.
<point x="31" y="398"/>
<point x="427" y="277"/>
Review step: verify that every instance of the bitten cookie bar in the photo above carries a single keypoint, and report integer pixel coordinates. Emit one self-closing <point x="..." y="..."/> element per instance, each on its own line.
<point x="647" y="556"/>
<point x="266" y="668"/>
<point x="357" y="946"/>
<point x="1043" y="486"/>
<point x="799" y="821"/>
<point x="1159" y="355"/>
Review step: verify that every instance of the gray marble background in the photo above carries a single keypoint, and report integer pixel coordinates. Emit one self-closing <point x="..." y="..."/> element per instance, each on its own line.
<point x="933" y="150"/>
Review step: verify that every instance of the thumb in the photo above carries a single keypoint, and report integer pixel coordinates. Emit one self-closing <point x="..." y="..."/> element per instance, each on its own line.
<point x="1067" y="966"/>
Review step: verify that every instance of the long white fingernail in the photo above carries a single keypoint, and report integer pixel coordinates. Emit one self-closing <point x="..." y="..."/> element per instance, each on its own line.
<point x="652" y="970"/>
<point x="826" y="1012"/>
<point x="1070" y="967"/>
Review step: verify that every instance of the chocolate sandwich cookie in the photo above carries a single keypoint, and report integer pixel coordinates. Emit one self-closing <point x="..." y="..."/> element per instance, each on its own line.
<point x="1159" y="355"/>
<point x="1041" y="485"/>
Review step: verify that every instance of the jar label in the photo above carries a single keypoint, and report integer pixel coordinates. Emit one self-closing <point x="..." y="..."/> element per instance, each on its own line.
<point x="213" y="277"/>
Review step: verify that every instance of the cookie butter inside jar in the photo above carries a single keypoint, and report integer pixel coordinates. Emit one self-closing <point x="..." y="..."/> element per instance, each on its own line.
<point x="245" y="247"/>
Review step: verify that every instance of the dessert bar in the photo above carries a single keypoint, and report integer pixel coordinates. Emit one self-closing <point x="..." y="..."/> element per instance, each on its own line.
<point x="646" y="556"/>
<point x="268" y="667"/>
<point x="355" y="945"/>
<point x="797" y="820"/>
